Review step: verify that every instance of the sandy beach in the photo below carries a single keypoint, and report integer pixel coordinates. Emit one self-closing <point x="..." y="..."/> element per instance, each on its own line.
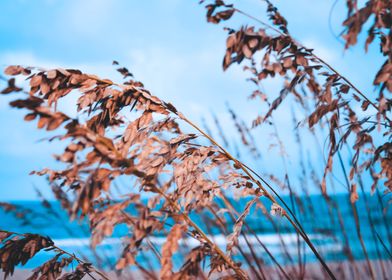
<point x="342" y="270"/>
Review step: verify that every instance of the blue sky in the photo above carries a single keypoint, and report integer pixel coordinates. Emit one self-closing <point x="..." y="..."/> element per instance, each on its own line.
<point x="168" y="45"/>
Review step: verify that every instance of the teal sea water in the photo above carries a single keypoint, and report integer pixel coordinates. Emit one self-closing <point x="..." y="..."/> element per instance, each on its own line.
<point x="332" y="229"/>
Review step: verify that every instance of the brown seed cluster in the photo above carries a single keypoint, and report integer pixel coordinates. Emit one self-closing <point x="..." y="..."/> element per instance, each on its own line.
<point x="122" y="131"/>
<point x="326" y="96"/>
<point x="17" y="249"/>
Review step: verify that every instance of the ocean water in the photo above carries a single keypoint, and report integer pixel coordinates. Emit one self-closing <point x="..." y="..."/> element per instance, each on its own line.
<point x="332" y="229"/>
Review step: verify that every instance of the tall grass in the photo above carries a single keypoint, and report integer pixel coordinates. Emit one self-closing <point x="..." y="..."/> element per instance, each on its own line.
<point x="129" y="163"/>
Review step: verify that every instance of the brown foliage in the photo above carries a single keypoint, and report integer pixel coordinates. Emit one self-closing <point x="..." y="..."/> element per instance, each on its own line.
<point x="169" y="248"/>
<point x="20" y="249"/>
<point x="334" y="97"/>
<point x="151" y="148"/>
<point x="123" y="131"/>
<point x="17" y="249"/>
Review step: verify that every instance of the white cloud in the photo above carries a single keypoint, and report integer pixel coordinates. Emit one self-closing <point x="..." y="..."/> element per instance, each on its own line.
<point x="88" y="17"/>
<point x="25" y="58"/>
